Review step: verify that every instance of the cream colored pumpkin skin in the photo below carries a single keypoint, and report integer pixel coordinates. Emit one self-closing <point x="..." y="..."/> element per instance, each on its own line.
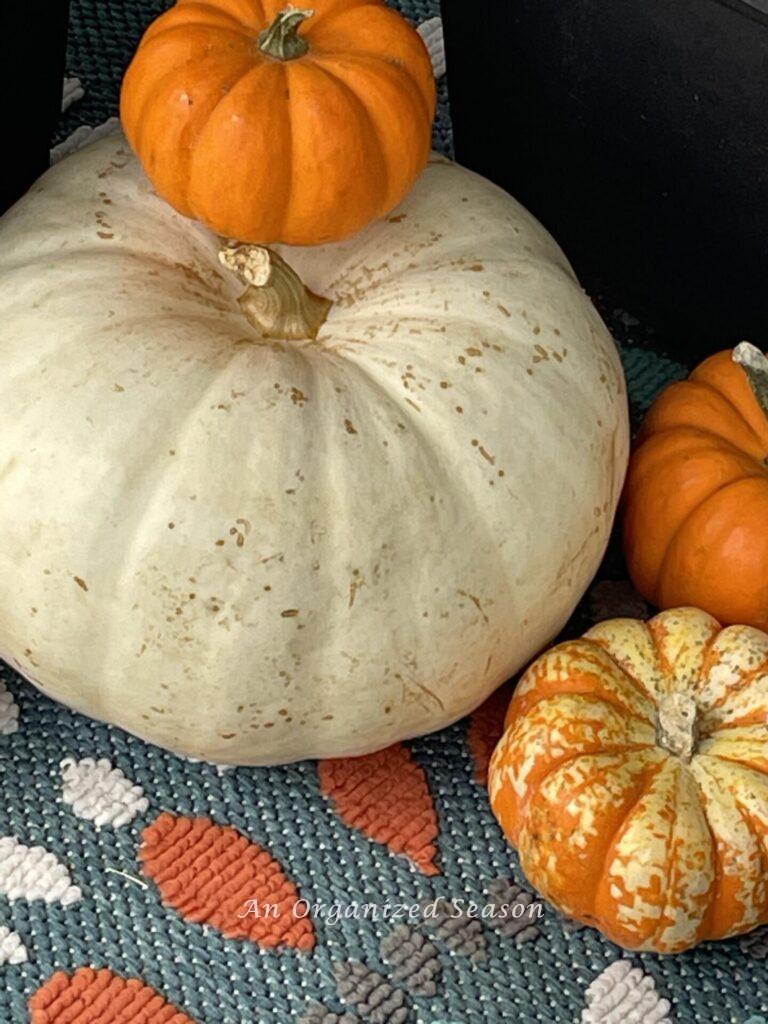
<point x="256" y="551"/>
<point x="633" y="778"/>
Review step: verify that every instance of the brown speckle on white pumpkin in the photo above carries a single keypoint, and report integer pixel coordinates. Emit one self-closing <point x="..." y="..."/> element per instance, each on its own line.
<point x="356" y="583"/>
<point x="476" y="602"/>
<point x="195" y="357"/>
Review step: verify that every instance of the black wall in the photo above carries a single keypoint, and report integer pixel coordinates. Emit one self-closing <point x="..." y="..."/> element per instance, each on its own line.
<point x="637" y="130"/>
<point x="32" y="49"/>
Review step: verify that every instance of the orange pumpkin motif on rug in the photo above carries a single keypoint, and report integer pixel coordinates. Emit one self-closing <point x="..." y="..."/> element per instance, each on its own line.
<point x="485" y="730"/>
<point x="212" y="874"/>
<point x="100" y="997"/>
<point x="386" y="796"/>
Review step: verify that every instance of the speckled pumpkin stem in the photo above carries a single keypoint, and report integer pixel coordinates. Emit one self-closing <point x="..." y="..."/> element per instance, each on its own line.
<point x="276" y="300"/>
<point x="678" y="730"/>
<point x="755" y="365"/>
<point x="282" y="40"/>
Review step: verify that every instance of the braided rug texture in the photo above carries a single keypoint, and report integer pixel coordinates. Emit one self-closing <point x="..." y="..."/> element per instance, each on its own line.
<point x="125" y="872"/>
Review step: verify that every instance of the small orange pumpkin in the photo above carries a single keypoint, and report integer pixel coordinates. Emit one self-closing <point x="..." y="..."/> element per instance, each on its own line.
<point x="633" y="779"/>
<point x="696" y="497"/>
<point x="273" y="124"/>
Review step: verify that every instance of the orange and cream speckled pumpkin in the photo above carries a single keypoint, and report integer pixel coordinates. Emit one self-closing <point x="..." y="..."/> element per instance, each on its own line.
<point x="633" y="779"/>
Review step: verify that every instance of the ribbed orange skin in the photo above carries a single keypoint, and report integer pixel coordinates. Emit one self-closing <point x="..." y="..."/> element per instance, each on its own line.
<point x="304" y="151"/>
<point x="696" y="497"/>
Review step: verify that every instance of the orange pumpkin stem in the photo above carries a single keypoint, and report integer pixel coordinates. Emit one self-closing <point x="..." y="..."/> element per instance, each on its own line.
<point x="276" y="302"/>
<point x="282" y="40"/>
<point x="755" y="365"/>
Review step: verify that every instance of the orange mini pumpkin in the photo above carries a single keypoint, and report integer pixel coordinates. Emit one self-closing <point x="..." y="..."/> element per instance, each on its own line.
<point x="696" y="497"/>
<point x="632" y="776"/>
<point x="273" y="124"/>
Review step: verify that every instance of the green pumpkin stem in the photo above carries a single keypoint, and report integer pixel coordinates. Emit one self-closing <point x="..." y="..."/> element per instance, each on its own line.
<point x="755" y="365"/>
<point x="281" y="40"/>
<point x="276" y="301"/>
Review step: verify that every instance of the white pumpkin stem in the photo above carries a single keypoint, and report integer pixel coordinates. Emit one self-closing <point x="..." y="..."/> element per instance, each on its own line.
<point x="281" y="40"/>
<point x="678" y="728"/>
<point x="276" y="300"/>
<point x="755" y="365"/>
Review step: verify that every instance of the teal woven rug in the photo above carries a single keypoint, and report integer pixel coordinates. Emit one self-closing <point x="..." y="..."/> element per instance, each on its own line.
<point x="427" y="923"/>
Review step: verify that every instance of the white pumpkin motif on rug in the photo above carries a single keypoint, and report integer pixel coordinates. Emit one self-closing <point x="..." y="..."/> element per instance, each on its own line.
<point x="98" y="792"/>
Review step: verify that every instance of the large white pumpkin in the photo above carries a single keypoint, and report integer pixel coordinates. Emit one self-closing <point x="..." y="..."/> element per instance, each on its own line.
<point x="255" y="551"/>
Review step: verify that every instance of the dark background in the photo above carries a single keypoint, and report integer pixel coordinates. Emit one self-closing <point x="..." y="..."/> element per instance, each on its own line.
<point x="637" y="131"/>
<point x="32" y="52"/>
